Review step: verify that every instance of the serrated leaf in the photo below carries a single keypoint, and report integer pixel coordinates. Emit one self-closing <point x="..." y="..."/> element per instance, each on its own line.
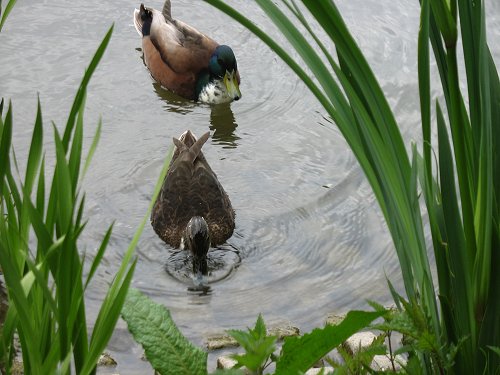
<point x="258" y="346"/>
<point x="243" y="338"/>
<point x="257" y="357"/>
<point x="168" y="351"/>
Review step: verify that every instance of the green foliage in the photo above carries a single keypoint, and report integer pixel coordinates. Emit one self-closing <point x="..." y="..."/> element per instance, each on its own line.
<point x="360" y="361"/>
<point x="301" y="353"/>
<point x="462" y="318"/>
<point x="168" y="351"/>
<point x="5" y="13"/>
<point x="39" y="253"/>
<point x="258" y="347"/>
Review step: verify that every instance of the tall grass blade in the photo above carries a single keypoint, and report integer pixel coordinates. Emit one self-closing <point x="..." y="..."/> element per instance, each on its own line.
<point x="5" y="141"/>
<point x="77" y="103"/>
<point x="92" y="148"/>
<point x="6" y="12"/>
<point x="35" y="153"/>
<point x="99" y="255"/>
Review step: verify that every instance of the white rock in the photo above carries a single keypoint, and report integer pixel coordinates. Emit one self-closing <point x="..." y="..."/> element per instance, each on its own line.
<point x="362" y="339"/>
<point x="380" y="362"/>
<point x="383" y="363"/>
<point x="225" y="362"/>
<point x="315" y="371"/>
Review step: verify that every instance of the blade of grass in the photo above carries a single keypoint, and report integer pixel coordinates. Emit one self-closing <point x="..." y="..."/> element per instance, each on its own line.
<point x="5" y="142"/>
<point x="6" y="13"/>
<point x="77" y="103"/>
<point x="99" y="255"/>
<point x="92" y="148"/>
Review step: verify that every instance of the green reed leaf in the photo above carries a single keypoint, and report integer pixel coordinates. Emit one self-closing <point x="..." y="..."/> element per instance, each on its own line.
<point x="99" y="255"/>
<point x="35" y="151"/>
<point x="92" y="148"/>
<point x="5" y="142"/>
<point x="75" y="156"/>
<point x="64" y="187"/>
<point x="79" y="98"/>
<point x="6" y="12"/>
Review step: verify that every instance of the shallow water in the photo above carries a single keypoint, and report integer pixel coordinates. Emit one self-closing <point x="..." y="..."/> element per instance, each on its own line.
<point x="309" y="238"/>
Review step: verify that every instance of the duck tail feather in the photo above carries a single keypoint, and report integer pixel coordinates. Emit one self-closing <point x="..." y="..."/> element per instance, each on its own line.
<point x="196" y="148"/>
<point x="138" y="21"/>
<point x="166" y="11"/>
<point x="179" y="144"/>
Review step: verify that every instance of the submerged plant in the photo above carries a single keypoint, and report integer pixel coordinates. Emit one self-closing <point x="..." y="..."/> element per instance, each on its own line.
<point x="40" y="226"/>
<point x="464" y="222"/>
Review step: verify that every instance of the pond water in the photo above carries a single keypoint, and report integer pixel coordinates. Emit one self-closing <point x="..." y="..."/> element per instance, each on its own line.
<point x="310" y="239"/>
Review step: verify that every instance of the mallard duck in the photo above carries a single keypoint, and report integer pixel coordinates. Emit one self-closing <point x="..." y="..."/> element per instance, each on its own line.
<point x="185" y="61"/>
<point x="192" y="211"/>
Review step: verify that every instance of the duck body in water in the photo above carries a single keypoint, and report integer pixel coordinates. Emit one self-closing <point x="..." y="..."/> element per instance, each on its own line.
<point x="192" y="211"/>
<point x="185" y="61"/>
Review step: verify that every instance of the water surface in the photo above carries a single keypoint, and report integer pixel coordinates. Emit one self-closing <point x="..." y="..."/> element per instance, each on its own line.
<point x="309" y="238"/>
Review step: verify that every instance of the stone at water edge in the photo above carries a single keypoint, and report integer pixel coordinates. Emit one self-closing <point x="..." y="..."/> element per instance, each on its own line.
<point x="380" y="362"/>
<point x="222" y="341"/>
<point x="226" y="363"/>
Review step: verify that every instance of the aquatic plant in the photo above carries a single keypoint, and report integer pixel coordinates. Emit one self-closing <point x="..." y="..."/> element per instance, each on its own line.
<point x="169" y="352"/>
<point x="259" y="347"/>
<point x="40" y="226"/>
<point x="461" y="318"/>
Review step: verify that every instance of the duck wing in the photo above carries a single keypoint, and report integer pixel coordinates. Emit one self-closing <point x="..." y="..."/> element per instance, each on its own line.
<point x="174" y="52"/>
<point x="190" y="189"/>
<point x="218" y="211"/>
<point x="181" y="47"/>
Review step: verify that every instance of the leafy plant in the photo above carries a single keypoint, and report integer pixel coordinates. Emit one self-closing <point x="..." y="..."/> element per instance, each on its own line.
<point x="259" y="347"/>
<point x="360" y="361"/>
<point x="39" y="252"/>
<point x="301" y="353"/>
<point x="168" y="351"/>
<point x="464" y="222"/>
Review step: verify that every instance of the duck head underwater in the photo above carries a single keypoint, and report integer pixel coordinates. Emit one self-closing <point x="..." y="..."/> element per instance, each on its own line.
<point x="192" y="211"/>
<point x="185" y="61"/>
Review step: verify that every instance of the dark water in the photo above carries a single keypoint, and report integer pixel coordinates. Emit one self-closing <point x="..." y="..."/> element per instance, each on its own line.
<point x="309" y="239"/>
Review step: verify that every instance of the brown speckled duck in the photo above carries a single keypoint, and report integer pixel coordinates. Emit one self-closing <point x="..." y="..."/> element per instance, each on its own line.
<point x="192" y="210"/>
<point x="185" y="61"/>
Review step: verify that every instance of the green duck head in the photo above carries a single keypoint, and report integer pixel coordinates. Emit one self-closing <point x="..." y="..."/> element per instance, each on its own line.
<point x="222" y="83"/>
<point x="197" y="240"/>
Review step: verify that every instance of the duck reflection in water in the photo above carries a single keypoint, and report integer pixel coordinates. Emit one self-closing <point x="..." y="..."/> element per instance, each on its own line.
<point x="192" y="211"/>
<point x="222" y="120"/>
<point x="223" y="123"/>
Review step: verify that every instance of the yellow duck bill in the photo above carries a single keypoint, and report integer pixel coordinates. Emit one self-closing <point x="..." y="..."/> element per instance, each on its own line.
<point x="232" y="86"/>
